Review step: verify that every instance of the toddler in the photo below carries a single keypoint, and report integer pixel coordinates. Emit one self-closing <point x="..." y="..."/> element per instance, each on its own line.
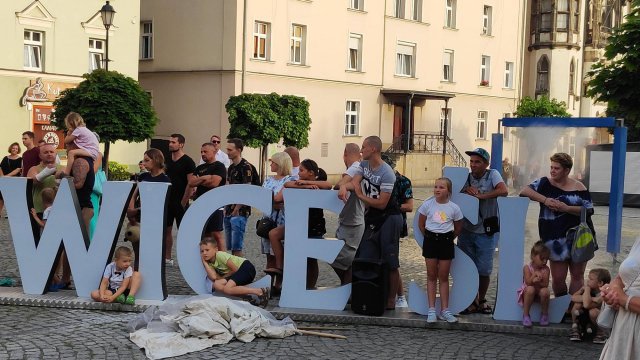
<point x="119" y="282"/>
<point x="586" y="307"/>
<point x="535" y="285"/>
<point x="84" y="139"/>
<point x="48" y="195"/>
<point x="440" y="220"/>
<point x="230" y="273"/>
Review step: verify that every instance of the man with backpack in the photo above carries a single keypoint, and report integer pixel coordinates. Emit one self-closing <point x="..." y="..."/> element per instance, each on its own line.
<point x="235" y="216"/>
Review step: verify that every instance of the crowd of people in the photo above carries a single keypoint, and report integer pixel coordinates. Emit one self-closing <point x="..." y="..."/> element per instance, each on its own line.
<point x="371" y="223"/>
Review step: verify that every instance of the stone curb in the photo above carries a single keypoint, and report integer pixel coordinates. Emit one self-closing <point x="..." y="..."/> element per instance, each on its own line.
<point x="399" y="317"/>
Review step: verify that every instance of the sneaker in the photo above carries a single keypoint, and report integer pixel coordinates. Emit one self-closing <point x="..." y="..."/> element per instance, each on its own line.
<point x="600" y="338"/>
<point x="574" y="334"/>
<point x="168" y="262"/>
<point x="121" y="299"/>
<point x="131" y="300"/>
<point x="431" y="316"/>
<point x="447" y="316"/>
<point x="401" y="302"/>
<point x="544" y="320"/>
<point x="526" y="321"/>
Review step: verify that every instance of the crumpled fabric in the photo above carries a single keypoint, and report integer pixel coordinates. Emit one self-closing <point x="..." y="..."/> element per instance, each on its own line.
<point x="201" y="322"/>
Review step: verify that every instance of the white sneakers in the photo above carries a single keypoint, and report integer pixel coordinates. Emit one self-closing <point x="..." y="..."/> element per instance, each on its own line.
<point x="401" y="302"/>
<point x="431" y="316"/>
<point x="445" y="315"/>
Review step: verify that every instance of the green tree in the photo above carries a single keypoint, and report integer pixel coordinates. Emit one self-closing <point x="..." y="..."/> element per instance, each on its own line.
<point x="260" y="120"/>
<point x="616" y="78"/>
<point x="112" y="104"/>
<point x="541" y="107"/>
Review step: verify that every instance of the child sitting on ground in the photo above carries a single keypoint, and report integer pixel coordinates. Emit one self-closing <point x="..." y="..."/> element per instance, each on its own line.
<point x="119" y="282"/>
<point x="48" y="195"/>
<point x="230" y="273"/>
<point x="586" y="307"/>
<point x="535" y="285"/>
<point x="84" y="139"/>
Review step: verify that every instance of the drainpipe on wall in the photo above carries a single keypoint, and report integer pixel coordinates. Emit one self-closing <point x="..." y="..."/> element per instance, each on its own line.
<point x="384" y="46"/>
<point x="244" y="45"/>
<point x="444" y="132"/>
<point x="408" y="127"/>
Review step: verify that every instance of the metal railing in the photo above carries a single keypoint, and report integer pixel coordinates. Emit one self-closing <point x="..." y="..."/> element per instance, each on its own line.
<point x="428" y="143"/>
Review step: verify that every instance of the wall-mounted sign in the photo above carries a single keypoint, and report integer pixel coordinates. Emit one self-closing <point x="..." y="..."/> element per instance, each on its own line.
<point x="44" y="129"/>
<point x="43" y="91"/>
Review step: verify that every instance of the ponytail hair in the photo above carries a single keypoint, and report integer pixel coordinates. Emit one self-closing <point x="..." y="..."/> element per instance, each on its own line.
<point x="312" y="166"/>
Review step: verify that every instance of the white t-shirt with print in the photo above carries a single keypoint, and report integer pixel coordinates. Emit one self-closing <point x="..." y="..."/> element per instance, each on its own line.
<point x="115" y="276"/>
<point x="440" y="217"/>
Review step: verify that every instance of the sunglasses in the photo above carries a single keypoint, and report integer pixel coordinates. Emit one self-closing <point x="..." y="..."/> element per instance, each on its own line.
<point x="215" y="141"/>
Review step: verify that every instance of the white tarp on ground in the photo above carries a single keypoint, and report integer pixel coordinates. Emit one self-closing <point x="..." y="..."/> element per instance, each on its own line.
<point x="200" y="322"/>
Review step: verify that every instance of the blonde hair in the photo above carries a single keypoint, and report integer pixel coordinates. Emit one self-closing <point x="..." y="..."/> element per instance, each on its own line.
<point x="540" y="249"/>
<point x="74" y="120"/>
<point x="447" y="182"/>
<point x="122" y="251"/>
<point x="48" y="195"/>
<point x="283" y="160"/>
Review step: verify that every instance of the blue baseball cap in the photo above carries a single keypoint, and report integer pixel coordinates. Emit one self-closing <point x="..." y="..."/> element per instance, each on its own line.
<point x="479" y="152"/>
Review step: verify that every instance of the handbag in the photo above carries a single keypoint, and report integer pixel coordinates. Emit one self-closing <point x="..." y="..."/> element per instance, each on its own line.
<point x="100" y="178"/>
<point x="491" y="225"/>
<point x="583" y="243"/>
<point x="266" y="224"/>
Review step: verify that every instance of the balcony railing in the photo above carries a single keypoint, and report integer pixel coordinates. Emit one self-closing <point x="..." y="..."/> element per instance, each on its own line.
<point x="428" y="143"/>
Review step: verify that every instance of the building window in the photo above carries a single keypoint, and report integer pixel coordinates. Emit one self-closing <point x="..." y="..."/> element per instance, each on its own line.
<point x="486" y="20"/>
<point x="261" y="37"/>
<point x="542" y="80"/>
<point x="355" y="52"/>
<point x="442" y="128"/>
<point x="416" y="10"/>
<point x="447" y="65"/>
<point x="405" y="53"/>
<point x="33" y="50"/>
<point x="356" y="4"/>
<point x="146" y="40"/>
<point x="572" y="76"/>
<point x="450" y="13"/>
<point x="546" y="15"/>
<point x="399" y="9"/>
<point x="297" y="44"/>
<point x="352" y="117"/>
<point x="481" y="128"/>
<point x="508" y="75"/>
<point x="575" y="8"/>
<point x="562" y="16"/>
<point x="506" y="131"/>
<point x="485" y="70"/>
<point x="96" y="52"/>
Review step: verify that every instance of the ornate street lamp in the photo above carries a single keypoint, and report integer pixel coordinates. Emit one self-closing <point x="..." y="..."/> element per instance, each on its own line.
<point x="107" y="13"/>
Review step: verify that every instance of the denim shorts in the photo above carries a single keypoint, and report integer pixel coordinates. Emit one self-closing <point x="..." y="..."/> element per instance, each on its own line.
<point x="480" y="248"/>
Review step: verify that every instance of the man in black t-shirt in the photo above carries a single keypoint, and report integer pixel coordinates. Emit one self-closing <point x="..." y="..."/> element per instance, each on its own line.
<point x="235" y="220"/>
<point x="205" y="177"/>
<point x="180" y="168"/>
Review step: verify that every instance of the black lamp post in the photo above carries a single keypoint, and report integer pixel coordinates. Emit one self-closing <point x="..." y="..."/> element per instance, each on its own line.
<point x="107" y="13"/>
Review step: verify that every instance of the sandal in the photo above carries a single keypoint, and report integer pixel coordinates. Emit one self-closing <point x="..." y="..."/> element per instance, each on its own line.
<point x="474" y="308"/>
<point x="264" y="298"/>
<point x="484" y="308"/>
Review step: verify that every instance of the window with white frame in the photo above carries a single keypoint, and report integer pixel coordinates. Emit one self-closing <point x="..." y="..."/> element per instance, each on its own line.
<point x="356" y="4"/>
<point x="297" y="44"/>
<point x="399" y="9"/>
<point x="33" y="41"/>
<point x="261" y="38"/>
<point x="355" y="52"/>
<point x="485" y="69"/>
<point x="146" y="40"/>
<point x="405" y="54"/>
<point x="444" y="111"/>
<point x="508" y="75"/>
<point x="572" y="146"/>
<point x="447" y="65"/>
<point x="416" y="10"/>
<point x="96" y="53"/>
<point x="506" y="131"/>
<point x="486" y="20"/>
<point x="481" y="127"/>
<point x="562" y="16"/>
<point x="351" y="118"/>
<point x="450" y="13"/>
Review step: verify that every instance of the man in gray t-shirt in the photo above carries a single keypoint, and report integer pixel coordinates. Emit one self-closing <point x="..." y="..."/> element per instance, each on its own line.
<point x="351" y="219"/>
<point x="373" y="185"/>
<point x="479" y="240"/>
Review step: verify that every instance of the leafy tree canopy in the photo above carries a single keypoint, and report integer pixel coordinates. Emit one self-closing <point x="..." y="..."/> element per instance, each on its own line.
<point x="541" y="107"/>
<point x="616" y="78"/>
<point x="111" y="104"/>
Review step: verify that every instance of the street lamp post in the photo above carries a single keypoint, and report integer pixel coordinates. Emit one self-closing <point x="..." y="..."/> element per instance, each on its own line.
<point x="107" y="13"/>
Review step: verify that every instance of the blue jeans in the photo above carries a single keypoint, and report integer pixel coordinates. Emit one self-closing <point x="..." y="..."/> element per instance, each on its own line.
<point x="480" y="248"/>
<point x="234" y="228"/>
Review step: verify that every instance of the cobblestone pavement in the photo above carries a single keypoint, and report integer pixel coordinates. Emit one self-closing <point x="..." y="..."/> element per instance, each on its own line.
<point x="45" y="333"/>
<point x="61" y="333"/>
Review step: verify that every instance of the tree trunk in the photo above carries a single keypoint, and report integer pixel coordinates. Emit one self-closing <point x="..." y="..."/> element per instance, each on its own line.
<point x="263" y="162"/>
<point x="105" y="159"/>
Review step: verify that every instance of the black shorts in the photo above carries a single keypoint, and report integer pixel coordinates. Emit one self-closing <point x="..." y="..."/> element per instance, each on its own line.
<point x="175" y="211"/>
<point x="215" y="222"/>
<point x="438" y="246"/>
<point x="245" y="274"/>
<point x="384" y="243"/>
<point x="125" y="293"/>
